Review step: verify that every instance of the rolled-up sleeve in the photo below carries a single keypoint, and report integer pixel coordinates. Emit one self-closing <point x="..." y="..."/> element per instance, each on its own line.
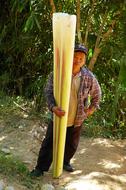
<point x="95" y="94"/>
<point x="49" y="92"/>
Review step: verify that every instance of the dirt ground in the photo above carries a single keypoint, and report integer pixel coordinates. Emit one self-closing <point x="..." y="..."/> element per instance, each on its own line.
<point x="100" y="164"/>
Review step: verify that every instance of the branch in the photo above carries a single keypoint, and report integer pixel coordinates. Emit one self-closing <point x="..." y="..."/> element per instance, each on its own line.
<point x="97" y="48"/>
<point x="100" y="31"/>
<point x="78" y="22"/>
<point x="94" y="58"/>
<point x="53" y="6"/>
<point x="110" y="30"/>
<point x="88" y="22"/>
<point x="20" y="107"/>
<point x="102" y="38"/>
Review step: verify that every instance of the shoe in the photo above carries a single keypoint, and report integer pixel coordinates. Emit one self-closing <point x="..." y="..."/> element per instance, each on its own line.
<point x="68" y="167"/>
<point x="36" y="173"/>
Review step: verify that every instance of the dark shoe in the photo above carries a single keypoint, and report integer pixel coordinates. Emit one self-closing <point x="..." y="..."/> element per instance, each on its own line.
<point x="36" y="173"/>
<point x="68" y="168"/>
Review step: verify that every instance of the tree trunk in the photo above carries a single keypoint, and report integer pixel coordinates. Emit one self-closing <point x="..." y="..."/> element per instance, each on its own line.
<point x="97" y="48"/>
<point x="94" y="58"/>
<point x="88" y="22"/>
<point x="53" y="6"/>
<point x="101" y="38"/>
<point x="78" y="22"/>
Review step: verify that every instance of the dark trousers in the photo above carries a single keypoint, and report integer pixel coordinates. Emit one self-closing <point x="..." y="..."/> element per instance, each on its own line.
<point x="46" y="151"/>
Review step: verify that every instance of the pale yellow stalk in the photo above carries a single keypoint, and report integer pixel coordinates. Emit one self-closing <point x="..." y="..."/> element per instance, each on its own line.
<point x="64" y="26"/>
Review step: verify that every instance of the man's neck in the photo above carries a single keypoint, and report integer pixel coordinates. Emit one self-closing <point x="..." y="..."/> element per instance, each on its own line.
<point x="76" y="74"/>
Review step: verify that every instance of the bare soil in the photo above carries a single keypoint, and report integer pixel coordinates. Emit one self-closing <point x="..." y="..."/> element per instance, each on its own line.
<point x="100" y="164"/>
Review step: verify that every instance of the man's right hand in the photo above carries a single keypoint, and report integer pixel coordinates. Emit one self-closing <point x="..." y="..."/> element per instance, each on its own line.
<point x="58" y="111"/>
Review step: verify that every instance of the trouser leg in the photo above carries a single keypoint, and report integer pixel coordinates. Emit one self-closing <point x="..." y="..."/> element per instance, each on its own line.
<point x="46" y="151"/>
<point x="72" y="141"/>
<point x="45" y="154"/>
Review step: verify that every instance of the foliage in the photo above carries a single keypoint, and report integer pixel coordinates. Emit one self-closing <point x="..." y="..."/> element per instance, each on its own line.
<point x="24" y="51"/>
<point x="110" y="120"/>
<point x="15" y="169"/>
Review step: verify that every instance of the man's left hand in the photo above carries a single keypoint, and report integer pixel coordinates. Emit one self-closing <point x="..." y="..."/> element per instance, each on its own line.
<point x="89" y="111"/>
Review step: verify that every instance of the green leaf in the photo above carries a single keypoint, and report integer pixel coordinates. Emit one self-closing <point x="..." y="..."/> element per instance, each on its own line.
<point x="90" y="53"/>
<point x="37" y="22"/>
<point x="29" y="24"/>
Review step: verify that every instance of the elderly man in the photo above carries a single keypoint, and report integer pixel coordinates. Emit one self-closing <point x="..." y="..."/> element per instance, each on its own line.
<point x="83" y="85"/>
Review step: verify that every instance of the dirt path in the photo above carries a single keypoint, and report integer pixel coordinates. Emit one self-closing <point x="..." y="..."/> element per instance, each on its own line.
<point x="100" y="164"/>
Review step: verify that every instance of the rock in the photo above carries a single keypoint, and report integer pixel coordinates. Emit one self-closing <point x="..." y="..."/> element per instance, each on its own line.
<point x="48" y="187"/>
<point x="6" y="150"/>
<point x="9" y="188"/>
<point x="61" y="188"/>
<point x="2" y="185"/>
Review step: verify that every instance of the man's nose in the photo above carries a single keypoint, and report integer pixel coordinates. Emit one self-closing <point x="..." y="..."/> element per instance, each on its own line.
<point x="77" y="61"/>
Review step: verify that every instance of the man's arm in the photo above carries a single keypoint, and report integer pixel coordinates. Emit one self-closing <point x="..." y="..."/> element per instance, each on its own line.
<point x="49" y="92"/>
<point x="95" y="94"/>
<point x="50" y="98"/>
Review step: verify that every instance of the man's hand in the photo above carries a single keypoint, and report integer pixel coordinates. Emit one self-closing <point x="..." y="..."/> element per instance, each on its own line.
<point x="58" y="111"/>
<point x="89" y="111"/>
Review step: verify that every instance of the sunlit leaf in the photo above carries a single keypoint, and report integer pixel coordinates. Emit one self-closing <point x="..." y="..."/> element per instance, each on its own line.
<point x="29" y="24"/>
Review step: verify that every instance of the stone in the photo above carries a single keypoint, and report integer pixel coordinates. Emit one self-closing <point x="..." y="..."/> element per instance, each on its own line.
<point x="6" y="150"/>
<point x="9" y="188"/>
<point x="61" y="188"/>
<point x="2" y="185"/>
<point x="48" y="187"/>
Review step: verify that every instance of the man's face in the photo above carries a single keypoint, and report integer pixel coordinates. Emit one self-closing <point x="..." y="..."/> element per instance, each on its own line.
<point x="78" y="61"/>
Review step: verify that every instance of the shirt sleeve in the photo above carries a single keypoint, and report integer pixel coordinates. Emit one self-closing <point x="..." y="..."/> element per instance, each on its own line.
<point x="49" y="92"/>
<point x="95" y="94"/>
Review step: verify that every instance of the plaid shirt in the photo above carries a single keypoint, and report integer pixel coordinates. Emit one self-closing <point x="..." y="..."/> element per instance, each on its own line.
<point x="88" y="86"/>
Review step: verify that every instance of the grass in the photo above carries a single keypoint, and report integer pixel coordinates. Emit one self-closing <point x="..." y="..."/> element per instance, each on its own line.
<point x="15" y="170"/>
